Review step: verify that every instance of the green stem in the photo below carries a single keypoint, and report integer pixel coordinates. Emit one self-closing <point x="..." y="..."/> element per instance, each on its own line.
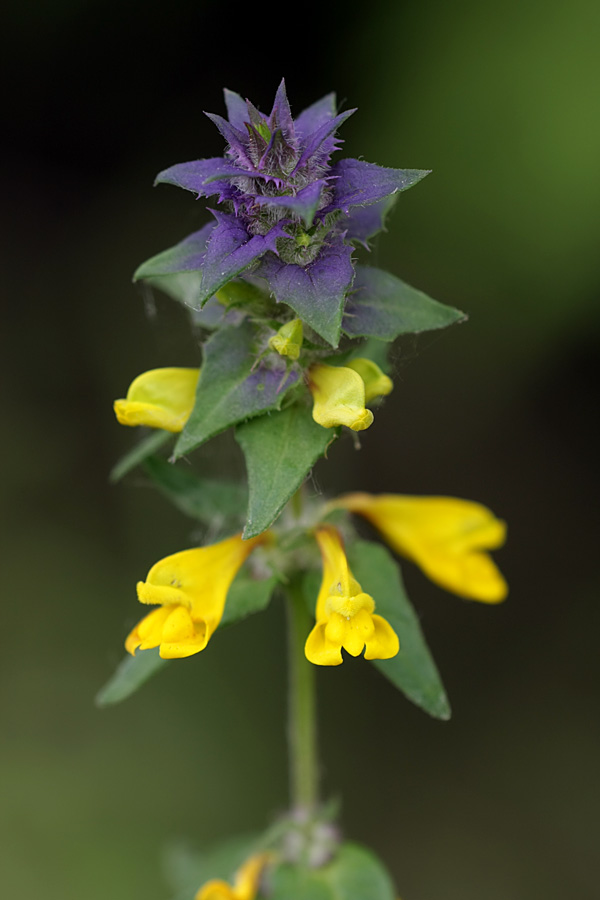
<point x="302" y="726"/>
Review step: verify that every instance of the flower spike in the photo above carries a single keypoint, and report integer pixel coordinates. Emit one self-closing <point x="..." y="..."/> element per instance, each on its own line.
<point x="190" y="589"/>
<point x="160" y="398"/>
<point x="445" y="536"/>
<point x="245" y="885"/>
<point x="345" y="614"/>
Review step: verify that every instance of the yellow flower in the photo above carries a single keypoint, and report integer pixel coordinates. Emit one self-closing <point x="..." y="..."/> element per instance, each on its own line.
<point x="245" y="885"/>
<point x="345" y="615"/>
<point x="339" y="397"/>
<point x="340" y="393"/>
<point x="190" y="589"/>
<point x="445" y="536"/>
<point x="160" y="398"/>
<point x="376" y="383"/>
<point x="288" y="340"/>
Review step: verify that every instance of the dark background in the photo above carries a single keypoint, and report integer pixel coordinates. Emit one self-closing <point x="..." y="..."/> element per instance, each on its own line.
<point x="501" y="101"/>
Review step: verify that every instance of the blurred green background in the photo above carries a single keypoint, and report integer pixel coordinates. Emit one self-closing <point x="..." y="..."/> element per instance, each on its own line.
<point x="501" y="100"/>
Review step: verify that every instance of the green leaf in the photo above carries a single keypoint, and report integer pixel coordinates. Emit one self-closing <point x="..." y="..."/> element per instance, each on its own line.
<point x="353" y="874"/>
<point x="186" y="870"/>
<point x="412" y="670"/>
<point x="229" y="389"/>
<point x="383" y="306"/>
<point x="188" y="255"/>
<point x="131" y="673"/>
<point x="148" y="445"/>
<point x="247" y="596"/>
<point x="181" y="286"/>
<point x="280" y="450"/>
<point x="208" y="500"/>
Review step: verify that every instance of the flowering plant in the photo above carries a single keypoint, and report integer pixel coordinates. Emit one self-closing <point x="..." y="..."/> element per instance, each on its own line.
<point x="292" y="334"/>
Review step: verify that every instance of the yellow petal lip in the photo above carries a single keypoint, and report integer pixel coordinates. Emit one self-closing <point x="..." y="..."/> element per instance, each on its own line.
<point x="159" y="398"/>
<point x="344" y="612"/>
<point x="338" y="397"/>
<point x="190" y="589"/>
<point x="446" y="536"/>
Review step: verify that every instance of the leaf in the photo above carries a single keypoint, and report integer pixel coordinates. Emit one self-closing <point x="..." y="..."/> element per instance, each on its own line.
<point x="131" y="673"/>
<point x="412" y="670"/>
<point x="383" y="306"/>
<point x="247" y="596"/>
<point x="315" y="292"/>
<point x="148" y="445"/>
<point x="280" y="450"/>
<point x="187" y="869"/>
<point x="229" y="391"/>
<point x="188" y="255"/>
<point x="353" y="874"/>
<point x="206" y="499"/>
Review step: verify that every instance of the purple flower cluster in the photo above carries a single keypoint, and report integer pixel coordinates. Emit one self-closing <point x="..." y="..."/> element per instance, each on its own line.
<point x="287" y="214"/>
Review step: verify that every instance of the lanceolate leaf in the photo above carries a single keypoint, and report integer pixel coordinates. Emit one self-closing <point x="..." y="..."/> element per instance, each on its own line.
<point x="353" y="874"/>
<point x="144" y="448"/>
<point x="228" y="390"/>
<point x="280" y="450"/>
<point x="206" y="499"/>
<point x="131" y="673"/>
<point x="188" y="255"/>
<point x="413" y="669"/>
<point x="384" y="307"/>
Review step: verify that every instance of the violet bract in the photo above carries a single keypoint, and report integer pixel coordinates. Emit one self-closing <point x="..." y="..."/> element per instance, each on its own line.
<point x="287" y="214"/>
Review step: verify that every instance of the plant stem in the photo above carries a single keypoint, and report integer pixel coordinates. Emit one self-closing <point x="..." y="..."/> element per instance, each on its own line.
<point x="302" y="726"/>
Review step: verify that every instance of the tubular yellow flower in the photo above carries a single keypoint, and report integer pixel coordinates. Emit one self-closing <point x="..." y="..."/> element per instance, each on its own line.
<point x="160" y="398"/>
<point x="339" y="397"/>
<point x="376" y="383"/>
<point x="445" y="536"/>
<point x="245" y="884"/>
<point x="190" y="589"/>
<point x="288" y="340"/>
<point x="345" y="615"/>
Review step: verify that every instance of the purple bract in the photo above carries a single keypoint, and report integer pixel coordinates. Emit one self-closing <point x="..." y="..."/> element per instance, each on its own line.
<point x="287" y="214"/>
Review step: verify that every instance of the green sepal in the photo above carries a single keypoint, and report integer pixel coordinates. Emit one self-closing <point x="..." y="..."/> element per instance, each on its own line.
<point x="412" y="670"/>
<point x="231" y="387"/>
<point x="206" y="499"/>
<point x="384" y="307"/>
<point x="141" y="451"/>
<point x="131" y="673"/>
<point x="246" y="596"/>
<point x="280" y="450"/>
<point x="353" y="874"/>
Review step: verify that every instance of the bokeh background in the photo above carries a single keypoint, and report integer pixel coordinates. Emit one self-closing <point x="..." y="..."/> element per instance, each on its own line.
<point x="501" y="100"/>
